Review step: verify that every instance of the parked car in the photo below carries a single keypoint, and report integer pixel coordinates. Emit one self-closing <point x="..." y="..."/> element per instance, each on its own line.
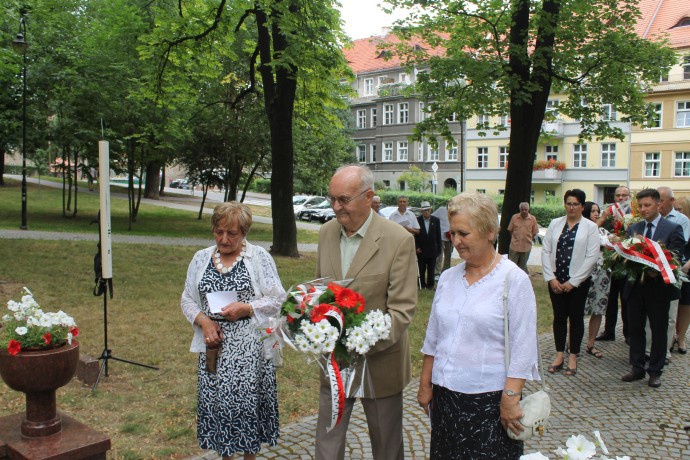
<point x="308" y="213"/>
<point x="323" y="215"/>
<point x="309" y="202"/>
<point x="181" y="184"/>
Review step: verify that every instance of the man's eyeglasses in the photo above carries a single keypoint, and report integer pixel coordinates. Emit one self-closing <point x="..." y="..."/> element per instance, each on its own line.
<point x="572" y="205"/>
<point x="343" y="200"/>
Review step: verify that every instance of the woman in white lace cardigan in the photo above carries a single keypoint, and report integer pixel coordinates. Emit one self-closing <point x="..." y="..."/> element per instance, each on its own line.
<point x="237" y="397"/>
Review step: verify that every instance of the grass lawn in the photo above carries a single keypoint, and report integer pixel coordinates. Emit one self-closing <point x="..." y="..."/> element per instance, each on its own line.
<point x="45" y="213"/>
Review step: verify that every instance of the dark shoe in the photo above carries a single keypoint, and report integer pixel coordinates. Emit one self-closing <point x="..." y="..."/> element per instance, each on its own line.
<point x="654" y="381"/>
<point x="667" y="362"/>
<point x="646" y="357"/>
<point x="606" y="338"/>
<point x="594" y="352"/>
<point x="555" y="368"/>
<point x="632" y="376"/>
<point x="627" y="341"/>
<point x="673" y="345"/>
<point x="682" y="351"/>
<point x="570" y="372"/>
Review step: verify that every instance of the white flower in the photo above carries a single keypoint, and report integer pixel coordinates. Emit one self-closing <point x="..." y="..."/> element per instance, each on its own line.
<point x="534" y="456"/>
<point x="21" y="330"/>
<point x="580" y="448"/>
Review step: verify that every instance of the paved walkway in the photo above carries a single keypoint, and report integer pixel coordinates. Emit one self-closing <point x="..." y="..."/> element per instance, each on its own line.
<point x="633" y="419"/>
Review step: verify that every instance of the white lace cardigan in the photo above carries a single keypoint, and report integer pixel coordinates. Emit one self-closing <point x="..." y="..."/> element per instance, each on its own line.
<point x="268" y="290"/>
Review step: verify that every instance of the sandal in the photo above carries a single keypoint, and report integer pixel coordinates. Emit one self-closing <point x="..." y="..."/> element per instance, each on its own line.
<point x="594" y="352"/>
<point x="555" y="368"/>
<point x="570" y="372"/>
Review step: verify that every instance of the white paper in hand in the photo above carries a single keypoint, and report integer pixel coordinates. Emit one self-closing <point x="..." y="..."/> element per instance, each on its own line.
<point x="217" y="300"/>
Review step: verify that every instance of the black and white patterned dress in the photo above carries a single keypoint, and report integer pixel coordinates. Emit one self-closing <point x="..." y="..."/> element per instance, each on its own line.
<point x="237" y="406"/>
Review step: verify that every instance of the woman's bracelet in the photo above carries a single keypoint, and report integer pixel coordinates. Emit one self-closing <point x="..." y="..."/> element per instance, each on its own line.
<point x="251" y="310"/>
<point x="197" y="321"/>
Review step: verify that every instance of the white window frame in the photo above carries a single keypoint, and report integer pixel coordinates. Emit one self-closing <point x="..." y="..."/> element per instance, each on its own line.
<point x="387" y="151"/>
<point x="403" y="151"/>
<point x="683" y="109"/>
<point x="388" y="114"/>
<point x="658" y="111"/>
<point x="551" y="152"/>
<point x="579" y="155"/>
<point x="608" y="155"/>
<point x="481" y="119"/>
<point x="361" y="118"/>
<point x="373" y="149"/>
<point x="432" y="153"/>
<point x="422" y="113"/>
<point x="652" y="164"/>
<point x="403" y="113"/>
<point x="386" y="80"/>
<point x="503" y="153"/>
<point x="452" y="153"/>
<point x="420" y="151"/>
<point x="686" y="68"/>
<point x="362" y="153"/>
<point x="368" y="86"/>
<point x="552" y="107"/>
<point x="482" y="157"/>
<point x="504" y="120"/>
<point x="404" y="78"/>
<point x="608" y="112"/>
<point x="681" y="164"/>
<point x="373" y="120"/>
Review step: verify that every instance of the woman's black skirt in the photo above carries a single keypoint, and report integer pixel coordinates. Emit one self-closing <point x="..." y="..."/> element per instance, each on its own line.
<point x="468" y="426"/>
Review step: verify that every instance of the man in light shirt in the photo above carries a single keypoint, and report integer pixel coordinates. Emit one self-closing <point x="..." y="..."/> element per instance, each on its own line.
<point x="379" y="257"/>
<point x="376" y="204"/>
<point x="523" y="228"/>
<point x="405" y="217"/>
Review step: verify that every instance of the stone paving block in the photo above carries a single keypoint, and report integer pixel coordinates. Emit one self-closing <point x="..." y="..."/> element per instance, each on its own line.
<point x="633" y="419"/>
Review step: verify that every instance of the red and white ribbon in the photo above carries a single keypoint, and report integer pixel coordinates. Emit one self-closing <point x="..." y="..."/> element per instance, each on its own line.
<point x="616" y="211"/>
<point x="658" y="262"/>
<point x="334" y="377"/>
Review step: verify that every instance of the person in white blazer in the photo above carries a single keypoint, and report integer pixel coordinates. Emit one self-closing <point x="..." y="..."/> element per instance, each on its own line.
<point x="569" y="254"/>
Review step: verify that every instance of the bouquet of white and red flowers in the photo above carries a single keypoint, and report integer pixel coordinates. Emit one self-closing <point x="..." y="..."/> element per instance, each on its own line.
<point x="637" y="257"/>
<point x="327" y="320"/>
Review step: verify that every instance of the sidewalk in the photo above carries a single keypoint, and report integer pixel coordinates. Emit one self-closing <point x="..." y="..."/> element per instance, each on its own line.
<point x="633" y="419"/>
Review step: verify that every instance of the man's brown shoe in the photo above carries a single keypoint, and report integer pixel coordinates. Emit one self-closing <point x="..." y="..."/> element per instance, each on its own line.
<point x="654" y="381"/>
<point x="632" y="376"/>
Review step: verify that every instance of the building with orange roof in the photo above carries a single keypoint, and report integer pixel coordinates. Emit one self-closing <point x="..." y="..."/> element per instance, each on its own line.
<point x="660" y="154"/>
<point x="385" y="114"/>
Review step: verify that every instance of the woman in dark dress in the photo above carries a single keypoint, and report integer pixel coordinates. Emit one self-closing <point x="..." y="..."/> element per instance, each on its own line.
<point x="237" y="397"/>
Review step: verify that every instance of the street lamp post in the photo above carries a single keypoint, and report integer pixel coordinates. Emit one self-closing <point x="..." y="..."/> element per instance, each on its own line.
<point x="21" y="45"/>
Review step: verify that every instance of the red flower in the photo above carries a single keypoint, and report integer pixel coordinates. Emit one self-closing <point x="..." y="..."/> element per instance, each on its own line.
<point x="346" y="298"/>
<point x="312" y="289"/>
<point x="361" y="302"/>
<point x="47" y="338"/>
<point x="269" y="330"/>
<point x="290" y="319"/>
<point x="319" y="312"/>
<point x="336" y="288"/>
<point x="74" y="331"/>
<point x="14" y="347"/>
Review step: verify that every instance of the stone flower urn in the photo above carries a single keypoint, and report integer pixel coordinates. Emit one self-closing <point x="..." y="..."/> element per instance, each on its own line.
<point x="38" y="374"/>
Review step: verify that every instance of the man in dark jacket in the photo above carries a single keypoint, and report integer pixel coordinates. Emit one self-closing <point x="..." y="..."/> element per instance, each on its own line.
<point x="650" y="298"/>
<point x="428" y="243"/>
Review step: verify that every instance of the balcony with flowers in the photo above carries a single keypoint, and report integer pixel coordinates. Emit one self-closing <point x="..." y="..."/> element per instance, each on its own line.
<point x="548" y="170"/>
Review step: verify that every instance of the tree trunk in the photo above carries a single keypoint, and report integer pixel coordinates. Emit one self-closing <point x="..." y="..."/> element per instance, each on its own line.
<point x="76" y="180"/>
<point x="161" y="186"/>
<point x="2" y="166"/>
<point x="153" y="180"/>
<point x="204" y="192"/>
<point x="279" y="100"/>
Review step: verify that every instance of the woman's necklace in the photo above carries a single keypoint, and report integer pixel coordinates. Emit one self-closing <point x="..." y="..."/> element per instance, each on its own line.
<point x="219" y="265"/>
<point x="491" y="266"/>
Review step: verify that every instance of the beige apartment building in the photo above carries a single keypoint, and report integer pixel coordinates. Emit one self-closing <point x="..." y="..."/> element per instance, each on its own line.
<point x="385" y="114"/>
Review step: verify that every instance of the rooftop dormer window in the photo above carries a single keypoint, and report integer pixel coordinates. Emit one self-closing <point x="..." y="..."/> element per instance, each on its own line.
<point x="682" y="23"/>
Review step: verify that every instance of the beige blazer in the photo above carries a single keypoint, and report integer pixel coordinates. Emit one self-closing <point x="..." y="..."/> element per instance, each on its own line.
<point x="384" y="271"/>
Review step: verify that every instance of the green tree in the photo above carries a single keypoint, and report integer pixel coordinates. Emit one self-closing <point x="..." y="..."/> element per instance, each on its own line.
<point x="415" y="178"/>
<point x="506" y="57"/>
<point x="291" y="40"/>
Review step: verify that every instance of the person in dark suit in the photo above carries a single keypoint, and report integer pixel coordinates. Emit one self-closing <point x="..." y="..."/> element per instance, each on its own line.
<point x="651" y="298"/>
<point x="428" y="244"/>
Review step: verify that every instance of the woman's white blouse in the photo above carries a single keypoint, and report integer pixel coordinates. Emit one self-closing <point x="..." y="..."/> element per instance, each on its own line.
<point x="268" y="290"/>
<point x="465" y="332"/>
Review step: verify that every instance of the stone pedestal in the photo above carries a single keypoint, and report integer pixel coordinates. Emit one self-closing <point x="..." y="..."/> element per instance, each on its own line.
<point x="76" y="441"/>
